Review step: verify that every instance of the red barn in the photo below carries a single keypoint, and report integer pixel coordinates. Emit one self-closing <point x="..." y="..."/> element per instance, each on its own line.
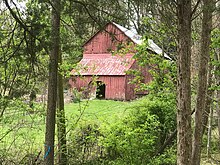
<point x="103" y="74"/>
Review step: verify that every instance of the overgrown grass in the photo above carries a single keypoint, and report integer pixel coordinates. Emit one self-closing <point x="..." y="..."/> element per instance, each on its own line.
<point x="101" y="110"/>
<point x="26" y="130"/>
<point x="22" y="130"/>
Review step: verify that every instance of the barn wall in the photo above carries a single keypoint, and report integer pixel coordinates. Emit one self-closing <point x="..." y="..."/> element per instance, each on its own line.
<point x="131" y="92"/>
<point x="100" y="46"/>
<point x="115" y="85"/>
<point x="130" y="88"/>
<point x="105" y="41"/>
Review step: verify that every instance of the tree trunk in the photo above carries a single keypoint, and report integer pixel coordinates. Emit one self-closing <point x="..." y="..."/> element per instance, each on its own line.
<point x="52" y="85"/>
<point x="202" y="82"/>
<point x="217" y="69"/>
<point x="218" y="113"/>
<point x="217" y="78"/>
<point x="208" y="101"/>
<point x="61" y="126"/>
<point x="209" y="136"/>
<point x="184" y="133"/>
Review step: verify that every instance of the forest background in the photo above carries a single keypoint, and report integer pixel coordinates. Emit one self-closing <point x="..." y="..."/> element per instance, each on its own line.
<point x="41" y="42"/>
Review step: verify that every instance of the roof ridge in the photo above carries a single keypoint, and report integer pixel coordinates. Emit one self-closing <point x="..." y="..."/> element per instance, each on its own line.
<point x="133" y="35"/>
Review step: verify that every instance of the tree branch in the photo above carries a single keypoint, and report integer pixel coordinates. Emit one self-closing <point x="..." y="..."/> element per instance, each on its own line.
<point x="17" y="19"/>
<point x="195" y="7"/>
<point x="169" y="140"/>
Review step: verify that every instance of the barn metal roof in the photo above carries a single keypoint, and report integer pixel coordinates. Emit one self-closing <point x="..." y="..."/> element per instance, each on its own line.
<point x="132" y="34"/>
<point x="107" y="64"/>
<point x="103" y="64"/>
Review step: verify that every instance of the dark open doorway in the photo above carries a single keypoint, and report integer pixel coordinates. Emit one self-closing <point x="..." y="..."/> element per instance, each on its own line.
<point x="100" y="90"/>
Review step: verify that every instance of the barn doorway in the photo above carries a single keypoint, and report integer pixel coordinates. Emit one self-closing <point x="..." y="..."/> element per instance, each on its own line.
<point x="100" y="90"/>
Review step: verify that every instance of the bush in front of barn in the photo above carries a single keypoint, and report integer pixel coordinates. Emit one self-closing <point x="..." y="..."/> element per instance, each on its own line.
<point x="134" y="139"/>
<point x="138" y="137"/>
<point x="83" y="146"/>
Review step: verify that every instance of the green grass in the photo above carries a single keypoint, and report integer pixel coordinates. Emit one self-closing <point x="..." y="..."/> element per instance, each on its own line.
<point x="28" y="135"/>
<point x="101" y="110"/>
<point x="23" y="131"/>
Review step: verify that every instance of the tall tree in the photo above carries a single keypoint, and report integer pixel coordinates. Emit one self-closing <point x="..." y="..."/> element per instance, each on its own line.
<point x="61" y="125"/>
<point x="184" y="133"/>
<point x="217" y="79"/>
<point x="202" y="82"/>
<point x="209" y="97"/>
<point x="52" y="84"/>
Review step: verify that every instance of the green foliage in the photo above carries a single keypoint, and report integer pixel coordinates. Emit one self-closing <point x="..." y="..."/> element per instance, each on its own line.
<point x="83" y="143"/>
<point x="215" y="57"/>
<point x="163" y="33"/>
<point x="22" y="54"/>
<point x="84" y="121"/>
<point x="133" y="140"/>
<point x="215" y="38"/>
<point x="214" y="143"/>
<point x="162" y="69"/>
<point x="136" y="138"/>
<point x="167" y="158"/>
<point x="21" y="131"/>
<point x="163" y="72"/>
<point x="112" y="132"/>
<point x="99" y="131"/>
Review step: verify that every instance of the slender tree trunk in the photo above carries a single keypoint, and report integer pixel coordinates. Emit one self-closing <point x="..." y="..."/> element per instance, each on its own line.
<point x="218" y="113"/>
<point x="208" y="99"/>
<point x="217" y="78"/>
<point x="184" y="133"/>
<point x="61" y="126"/>
<point x="209" y="134"/>
<point x="52" y="85"/>
<point x="217" y="69"/>
<point x="202" y="82"/>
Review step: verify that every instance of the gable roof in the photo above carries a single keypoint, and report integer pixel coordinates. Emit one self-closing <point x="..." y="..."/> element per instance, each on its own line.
<point x="136" y="38"/>
<point x="104" y="64"/>
<point x="132" y="34"/>
<point x="107" y="64"/>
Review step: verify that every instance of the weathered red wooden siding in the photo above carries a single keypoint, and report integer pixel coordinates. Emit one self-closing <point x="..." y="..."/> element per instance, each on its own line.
<point x="105" y="41"/>
<point x="115" y="85"/>
<point x="130" y="92"/>
<point x="98" y="50"/>
<point x="130" y="88"/>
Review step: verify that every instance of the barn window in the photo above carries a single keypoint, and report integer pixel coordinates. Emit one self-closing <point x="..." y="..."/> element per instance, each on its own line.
<point x="100" y="90"/>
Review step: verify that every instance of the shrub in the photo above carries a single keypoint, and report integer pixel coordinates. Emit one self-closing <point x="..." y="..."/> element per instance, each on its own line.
<point x="137" y="138"/>
<point x="133" y="139"/>
<point x="83" y="145"/>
